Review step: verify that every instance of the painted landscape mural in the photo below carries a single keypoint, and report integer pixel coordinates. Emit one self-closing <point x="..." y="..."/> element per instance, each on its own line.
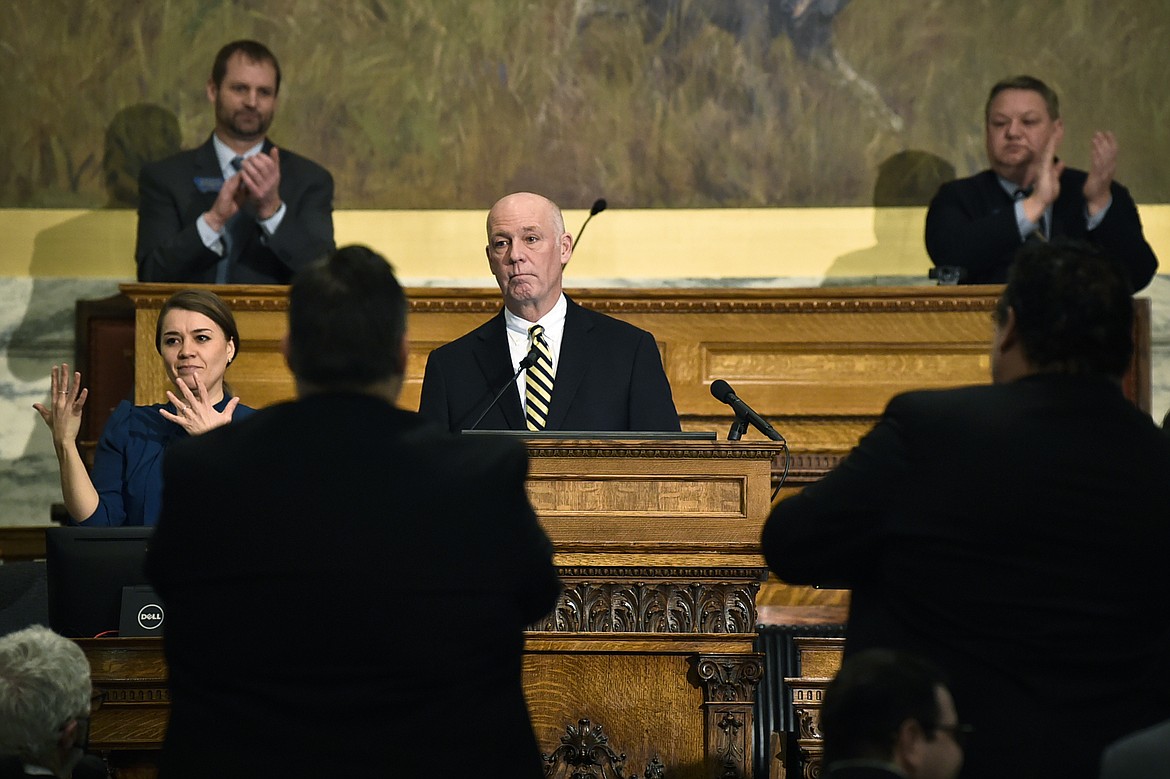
<point x="649" y="103"/>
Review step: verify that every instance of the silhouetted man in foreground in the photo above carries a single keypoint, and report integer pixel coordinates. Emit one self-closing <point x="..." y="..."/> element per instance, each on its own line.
<point x="346" y="585"/>
<point x="1004" y="531"/>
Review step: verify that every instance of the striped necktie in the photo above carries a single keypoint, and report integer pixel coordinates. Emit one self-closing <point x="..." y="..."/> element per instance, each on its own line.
<point x="538" y="382"/>
<point x="231" y="247"/>
<point x="1041" y="224"/>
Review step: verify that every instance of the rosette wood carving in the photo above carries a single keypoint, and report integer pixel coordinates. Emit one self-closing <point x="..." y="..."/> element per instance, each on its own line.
<point x="585" y="753"/>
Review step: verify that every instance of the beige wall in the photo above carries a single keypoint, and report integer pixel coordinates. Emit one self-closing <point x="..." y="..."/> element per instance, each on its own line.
<point x="641" y="246"/>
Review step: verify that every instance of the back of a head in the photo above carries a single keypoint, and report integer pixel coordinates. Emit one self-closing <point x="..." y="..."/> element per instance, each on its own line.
<point x="44" y="683"/>
<point x="347" y="321"/>
<point x="1073" y="309"/>
<point x="872" y="695"/>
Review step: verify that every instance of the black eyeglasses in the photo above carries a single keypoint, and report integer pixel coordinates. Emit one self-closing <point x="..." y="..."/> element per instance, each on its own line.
<point x="959" y="732"/>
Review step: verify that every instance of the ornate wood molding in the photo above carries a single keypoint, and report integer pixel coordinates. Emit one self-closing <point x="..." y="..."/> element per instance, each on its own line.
<point x="585" y="753"/>
<point x="621" y="573"/>
<point x="635" y="449"/>
<point x="730" y="678"/>
<point x="654" y="606"/>
<point x="705" y="300"/>
<point x="729" y="687"/>
<point x="819" y="660"/>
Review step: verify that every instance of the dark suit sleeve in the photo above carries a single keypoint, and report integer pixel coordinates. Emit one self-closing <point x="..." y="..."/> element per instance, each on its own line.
<point x="305" y="233"/>
<point x="535" y="580"/>
<point x="432" y="404"/>
<point x="828" y="533"/>
<point x="651" y="403"/>
<point x="176" y="518"/>
<point x="169" y="246"/>
<point x="964" y="229"/>
<point x="1120" y="236"/>
<point x="110" y="470"/>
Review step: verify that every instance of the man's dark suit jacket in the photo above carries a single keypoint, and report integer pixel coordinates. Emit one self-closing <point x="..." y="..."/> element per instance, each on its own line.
<point x="971" y="223"/>
<point x="874" y="771"/>
<point x="90" y="767"/>
<point x="1141" y="755"/>
<point x="175" y="191"/>
<point x="609" y="377"/>
<point x="346" y="588"/>
<point x="1017" y="535"/>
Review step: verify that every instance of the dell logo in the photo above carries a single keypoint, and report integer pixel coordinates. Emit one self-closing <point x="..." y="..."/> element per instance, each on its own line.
<point x="150" y="616"/>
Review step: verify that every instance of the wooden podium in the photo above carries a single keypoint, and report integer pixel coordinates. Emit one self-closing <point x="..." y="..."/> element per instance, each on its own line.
<point x="649" y="652"/>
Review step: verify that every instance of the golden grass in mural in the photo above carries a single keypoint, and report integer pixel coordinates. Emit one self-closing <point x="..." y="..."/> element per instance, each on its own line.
<point x="450" y="103"/>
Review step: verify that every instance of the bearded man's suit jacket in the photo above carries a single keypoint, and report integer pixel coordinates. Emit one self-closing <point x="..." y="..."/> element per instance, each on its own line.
<point x="174" y="192"/>
<point x="609" y="377"/>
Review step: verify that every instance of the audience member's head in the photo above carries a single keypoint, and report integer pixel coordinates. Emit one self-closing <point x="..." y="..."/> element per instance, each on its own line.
<point x="347" y="324"/>
<point x="44" y="699"/>
<point x="892" y="708"/>
<point x="243" y="88"/>
<point x="1066" y="309"/>
<point x="1022" y="121"/>
<point x="253" y="52"/>
<point x="1025" y="84"/>
<point x="527" y="251"/>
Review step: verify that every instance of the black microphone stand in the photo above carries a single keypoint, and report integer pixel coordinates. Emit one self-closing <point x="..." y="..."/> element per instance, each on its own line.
<point x="528" y="361"/>
<point x="599" y="205"/>
<point x="738" y="427"/>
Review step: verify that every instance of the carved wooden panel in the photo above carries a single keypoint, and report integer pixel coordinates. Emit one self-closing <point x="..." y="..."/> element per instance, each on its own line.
<point x="820" y="658"/>
<point x="655" y="600"/>
<point x="644" y="700"/>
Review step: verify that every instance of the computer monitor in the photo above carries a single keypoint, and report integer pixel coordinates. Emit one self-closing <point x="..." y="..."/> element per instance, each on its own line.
<point x="87" y="567"/>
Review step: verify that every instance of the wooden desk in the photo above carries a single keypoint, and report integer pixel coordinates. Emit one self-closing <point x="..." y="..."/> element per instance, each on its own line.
<point x="22" y="543"/>
<point x="651" y="645"/>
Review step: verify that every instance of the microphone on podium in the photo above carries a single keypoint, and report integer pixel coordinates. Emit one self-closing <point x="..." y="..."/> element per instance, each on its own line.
<point x="528" y="361"/>
<point x="723" y="392"/>
<point x="599" y="205"/>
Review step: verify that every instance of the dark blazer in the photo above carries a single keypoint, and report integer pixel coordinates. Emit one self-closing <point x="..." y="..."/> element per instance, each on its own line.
<point x="1141" y="755"/>
<point x="89" y="767"/>
<point x="127" y="464"/>
<point x="348" y="595"/>
<point x="609" y="377"/>
<point x="1005" y="532"/>
<point x="175" y="191"/>
<point x="971" y="223"/>
<point x="873" y="771"/>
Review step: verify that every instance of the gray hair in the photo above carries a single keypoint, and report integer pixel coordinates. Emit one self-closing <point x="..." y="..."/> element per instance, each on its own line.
<point x="44" y="683"/>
